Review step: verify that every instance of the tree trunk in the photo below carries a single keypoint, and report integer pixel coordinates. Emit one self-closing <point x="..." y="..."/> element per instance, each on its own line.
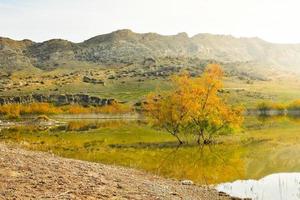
<point x="199" y="136"/>
<point x="198" y="140"/>
<point x="179" y="140"/>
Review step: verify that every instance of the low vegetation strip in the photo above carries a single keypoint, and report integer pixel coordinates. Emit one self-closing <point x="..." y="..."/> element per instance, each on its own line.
<point x="16" y="110"/>
<point x="273" y="108"/>
<point x="43" y="176"/>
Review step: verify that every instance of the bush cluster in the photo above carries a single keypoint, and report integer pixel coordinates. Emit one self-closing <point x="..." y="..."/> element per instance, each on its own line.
<point x="16" y="110"/>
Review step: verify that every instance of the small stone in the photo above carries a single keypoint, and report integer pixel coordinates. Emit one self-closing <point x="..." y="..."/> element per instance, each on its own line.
<point x="173" y="193"/>
<point x="236" y="198"/>
<point x="223" y="194"/>
<point x="187" y="182"/>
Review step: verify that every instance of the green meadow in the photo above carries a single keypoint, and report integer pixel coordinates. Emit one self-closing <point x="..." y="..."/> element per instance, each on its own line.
<point x="132" y="89"/>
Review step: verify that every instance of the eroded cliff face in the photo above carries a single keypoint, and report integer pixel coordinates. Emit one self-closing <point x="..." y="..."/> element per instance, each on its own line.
<point x="61" y="99"/>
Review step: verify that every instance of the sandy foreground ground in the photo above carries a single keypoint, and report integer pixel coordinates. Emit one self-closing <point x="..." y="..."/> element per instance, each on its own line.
<point x="36" y="175"/>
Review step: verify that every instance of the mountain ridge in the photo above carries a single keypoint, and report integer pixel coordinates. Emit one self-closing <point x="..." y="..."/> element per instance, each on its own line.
<point x="125" y="47"/>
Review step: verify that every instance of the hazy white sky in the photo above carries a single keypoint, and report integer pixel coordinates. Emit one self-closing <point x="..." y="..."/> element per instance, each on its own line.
<point x="77" y="20"/>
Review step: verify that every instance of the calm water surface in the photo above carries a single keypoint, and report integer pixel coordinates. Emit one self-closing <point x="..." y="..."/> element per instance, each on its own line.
<point x="281" y="186"/>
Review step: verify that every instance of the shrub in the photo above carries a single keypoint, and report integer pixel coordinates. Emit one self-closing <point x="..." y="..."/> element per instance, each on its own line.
<point x="15" y="110"/>
<point x="265" y="107"/>
<point x="295" y="105"/>
<point x="11" y="111"/>
<point x="76" y="109"/>
<point x="39" y="108"/>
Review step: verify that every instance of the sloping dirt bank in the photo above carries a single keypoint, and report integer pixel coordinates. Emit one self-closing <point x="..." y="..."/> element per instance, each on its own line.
<point x="35" y="175"/>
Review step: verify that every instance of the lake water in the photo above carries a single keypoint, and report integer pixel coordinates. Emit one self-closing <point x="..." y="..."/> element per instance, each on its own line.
<point x="281" y="186"/>
<point x="262" y="151"/>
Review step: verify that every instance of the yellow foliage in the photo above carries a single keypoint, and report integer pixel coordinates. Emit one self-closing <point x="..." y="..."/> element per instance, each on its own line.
<point x="279" y="106"/>
<point x="295" y="105"/>
<point x="78" y="125"/>
<point x="266" y="106"/>
<point x="10" y="110"/>
<point x="39" y="108"/>
<point x="15" y="110"/>
<point x="194" y="103"/>
<point x="76" y="109"/>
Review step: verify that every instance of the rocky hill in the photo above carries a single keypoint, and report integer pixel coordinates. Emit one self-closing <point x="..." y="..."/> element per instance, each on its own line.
<point x="126" y="48"/>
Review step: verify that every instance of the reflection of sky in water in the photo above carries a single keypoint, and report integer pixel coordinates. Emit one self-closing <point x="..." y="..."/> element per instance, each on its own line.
<point x="282" y="186"/>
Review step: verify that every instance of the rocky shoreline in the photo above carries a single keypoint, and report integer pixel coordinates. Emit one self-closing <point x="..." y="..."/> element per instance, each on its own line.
<point x="36" y="175"/>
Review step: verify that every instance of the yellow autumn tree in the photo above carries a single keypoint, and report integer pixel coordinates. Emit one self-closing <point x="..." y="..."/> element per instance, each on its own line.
<point x="195" y="106"/>
<point x="171" y="110"/>
<point x="210" y="114"/>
